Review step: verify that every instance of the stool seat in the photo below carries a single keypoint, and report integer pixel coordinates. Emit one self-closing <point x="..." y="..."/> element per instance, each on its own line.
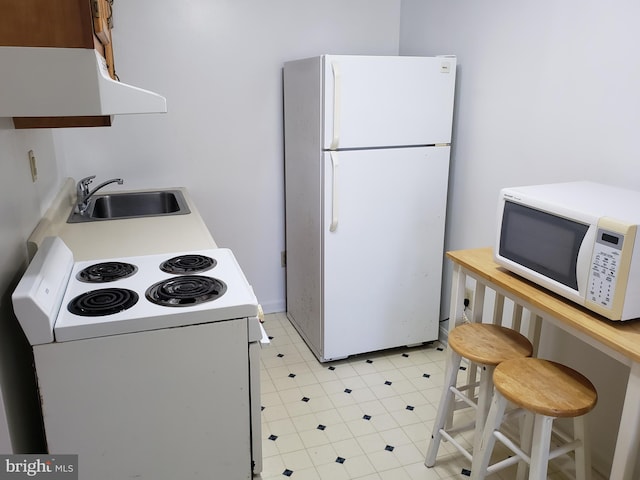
<point x="545" y="387"/>
<point x="548" y="390"/>
<point x="485" y="345"/>
<point x="489" y="344"/>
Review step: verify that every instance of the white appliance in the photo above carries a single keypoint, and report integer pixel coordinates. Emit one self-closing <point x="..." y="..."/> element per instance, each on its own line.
<point x="148" y="366"/>
<point x="367" y="144"/>
<point x="578" y="239"/>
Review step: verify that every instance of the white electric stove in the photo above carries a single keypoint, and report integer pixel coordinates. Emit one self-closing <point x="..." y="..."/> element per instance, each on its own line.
<point x="147" y="366"/>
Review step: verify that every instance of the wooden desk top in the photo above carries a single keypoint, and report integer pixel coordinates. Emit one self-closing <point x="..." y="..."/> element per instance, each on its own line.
<point x="623" y="337"/>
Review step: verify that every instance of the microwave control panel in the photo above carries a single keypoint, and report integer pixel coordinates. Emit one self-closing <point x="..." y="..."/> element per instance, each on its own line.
<point x="605" y="265"/>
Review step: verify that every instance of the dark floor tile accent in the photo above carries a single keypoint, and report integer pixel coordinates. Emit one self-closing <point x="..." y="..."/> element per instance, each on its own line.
<point x="305" y="399"/>
<point x="261" y="407"/>
<point x="347" y="390"/>
<point x="273" y="437"/>
<point x="466" y="472"/>
<point x="440" y="349"/>
<point x="340" y="460"/>
<point x="280" y="355"/>
<point x="367" y="417"/>
<point x="332" y="368"/>
<point x="426" y="375"/>
<point x="387" y="382"/>
<point x="321" y="427"/>
<point x="291" y="375"/>
<point x="405" y="355"/>
<point x="410" y="407"/>
<point x="389" y="448"/>
<point x="369" y="361"/>
<point x="463" y="368"/>
<point x="287" y="472"/>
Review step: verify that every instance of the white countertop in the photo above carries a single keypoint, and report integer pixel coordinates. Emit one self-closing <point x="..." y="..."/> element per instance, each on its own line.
<point x="123" y="237"/>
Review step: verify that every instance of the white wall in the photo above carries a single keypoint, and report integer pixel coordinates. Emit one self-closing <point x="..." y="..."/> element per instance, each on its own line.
<point x="547" y="92"/>
<point x="219" y="65"/>
<point x="22" y="203"/>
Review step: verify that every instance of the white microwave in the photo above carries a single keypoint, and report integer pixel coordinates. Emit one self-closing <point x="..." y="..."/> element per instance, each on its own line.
<point x="576" y="239"/>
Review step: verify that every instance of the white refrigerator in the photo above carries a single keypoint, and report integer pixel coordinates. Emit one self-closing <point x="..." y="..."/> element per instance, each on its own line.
<point x="367" y="145"/>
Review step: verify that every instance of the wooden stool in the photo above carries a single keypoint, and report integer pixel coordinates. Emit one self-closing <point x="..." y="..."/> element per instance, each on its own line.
<point x="549" y="390"/>
<point x="486" y="345"/>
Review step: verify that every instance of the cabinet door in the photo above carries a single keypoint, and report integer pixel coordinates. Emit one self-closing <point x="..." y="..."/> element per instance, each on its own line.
<point x="37" y="23"/>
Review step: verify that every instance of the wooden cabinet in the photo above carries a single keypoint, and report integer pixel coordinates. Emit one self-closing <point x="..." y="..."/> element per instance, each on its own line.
<point x="59" y="23"/>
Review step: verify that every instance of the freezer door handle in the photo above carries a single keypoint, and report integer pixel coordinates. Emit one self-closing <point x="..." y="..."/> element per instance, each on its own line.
<point x="335" y="68"/>
<point x="334" y="192"/>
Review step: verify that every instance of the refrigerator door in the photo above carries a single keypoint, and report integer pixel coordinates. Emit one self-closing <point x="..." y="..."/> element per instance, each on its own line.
<point x="383" y="234"/>
<point x="387" y="101"/>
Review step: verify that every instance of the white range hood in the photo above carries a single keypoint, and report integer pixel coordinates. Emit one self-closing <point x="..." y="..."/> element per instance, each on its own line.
<point x="66" y="82"/>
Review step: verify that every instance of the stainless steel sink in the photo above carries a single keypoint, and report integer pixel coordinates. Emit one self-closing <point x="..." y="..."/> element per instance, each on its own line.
<point x="115" y="206"/>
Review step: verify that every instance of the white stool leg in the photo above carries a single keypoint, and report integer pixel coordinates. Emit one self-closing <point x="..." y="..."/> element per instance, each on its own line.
<point x="485" y="393"/>
<point x="482" y="456"/>
<point x="472" y="377"/>
<point x="526" y="436"/>
<point x="445" y="406"/>
<point x="540" y="448"/>
<point x="582" y="453"/>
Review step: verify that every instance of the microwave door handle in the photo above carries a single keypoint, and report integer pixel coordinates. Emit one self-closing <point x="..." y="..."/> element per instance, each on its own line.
<point x="334" y="192"/>
<point x="337" y="93"/>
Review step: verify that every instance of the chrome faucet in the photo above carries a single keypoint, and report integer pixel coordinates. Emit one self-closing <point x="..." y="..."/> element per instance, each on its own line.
<point x="83" y="193"/>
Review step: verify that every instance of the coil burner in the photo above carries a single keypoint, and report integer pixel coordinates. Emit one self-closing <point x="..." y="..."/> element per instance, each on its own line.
<point x="191" y="263"/>
<point x="105" y="301"/>
<point x="106" y="272"/>
<point x="186" y="290"/>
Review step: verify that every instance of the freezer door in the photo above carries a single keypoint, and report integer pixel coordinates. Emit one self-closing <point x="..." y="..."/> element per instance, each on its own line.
<point x="387" y="101"/>
<point x="383" y="235"/>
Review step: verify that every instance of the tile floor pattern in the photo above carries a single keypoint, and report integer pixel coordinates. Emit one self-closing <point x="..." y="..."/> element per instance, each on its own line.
<point x="367" y="417"/>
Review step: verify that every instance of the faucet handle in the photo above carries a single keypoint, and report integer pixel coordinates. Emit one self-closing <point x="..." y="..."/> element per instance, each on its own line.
<point x="83" y="184"/>
<point x="87" y="180"/>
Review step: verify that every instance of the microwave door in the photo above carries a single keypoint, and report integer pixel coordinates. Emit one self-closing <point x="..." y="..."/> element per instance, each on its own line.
<point x="547" y="245"/>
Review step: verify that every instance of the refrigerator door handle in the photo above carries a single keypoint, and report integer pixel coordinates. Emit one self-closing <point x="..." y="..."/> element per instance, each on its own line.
<point x="335" y="68"/>
<point x="334" y="192"/>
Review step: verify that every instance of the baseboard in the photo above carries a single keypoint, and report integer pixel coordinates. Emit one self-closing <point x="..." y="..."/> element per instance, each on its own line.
<point x="277" y="306"/>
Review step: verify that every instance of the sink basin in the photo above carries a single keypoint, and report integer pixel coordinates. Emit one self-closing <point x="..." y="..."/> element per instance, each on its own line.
<point x="115" y="206"/>
<point x="135" y="205"/>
